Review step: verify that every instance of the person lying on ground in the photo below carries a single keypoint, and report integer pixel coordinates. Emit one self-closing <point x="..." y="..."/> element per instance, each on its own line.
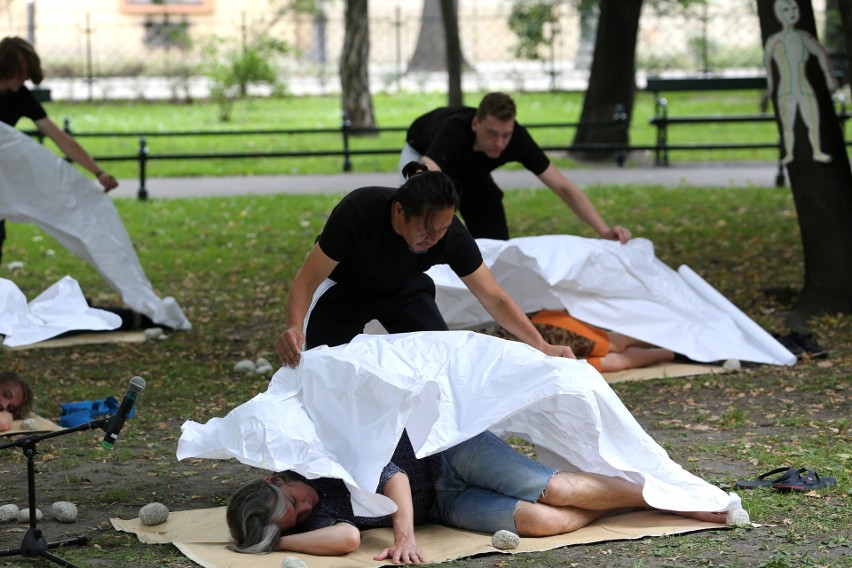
<point x="481" y="485"/>
<point x="16" y="399"/>
<point x="607" y="351"/>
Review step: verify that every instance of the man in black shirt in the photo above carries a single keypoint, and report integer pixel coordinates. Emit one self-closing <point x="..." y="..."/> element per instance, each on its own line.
<point x="369" y="263"/>
<point x="468" y="144"/>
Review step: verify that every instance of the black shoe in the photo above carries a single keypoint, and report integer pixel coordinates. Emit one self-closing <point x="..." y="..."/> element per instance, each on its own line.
<point x="789" y="341"/>
<point x="809" y="344"/>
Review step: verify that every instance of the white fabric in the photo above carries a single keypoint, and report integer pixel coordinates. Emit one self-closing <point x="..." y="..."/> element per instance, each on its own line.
<point x="341" y="411"/>
<point x="623" y="288"/>
<point x="59" y="309"/>
<point x="37" y="186"/>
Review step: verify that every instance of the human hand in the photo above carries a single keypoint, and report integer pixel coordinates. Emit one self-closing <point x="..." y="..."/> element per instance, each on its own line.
<point x="404" y="552"/>
<point x="617" y="233"/>
<point x="289" y="346"/>
<point x="6" y="419"/>
<point x="107" y="181"/>
<point x="559" y="351"/>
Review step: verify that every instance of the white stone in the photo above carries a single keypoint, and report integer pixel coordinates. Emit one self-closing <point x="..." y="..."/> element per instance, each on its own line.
<point x="505" y="540"/>
<point x="29" y="424"/>
<point x="244" y="366"/>
<point x="732" y="365"/>
<point x="262" y="366"/>
<point x="64" y="511"/>
<point x="738" y="518"/>
<point x="153" y="514"/>
<point x="293" y="562"/>
<point x="8" y="513"/>
<point x="24" y="515"/>
<point x="153" y="333"/>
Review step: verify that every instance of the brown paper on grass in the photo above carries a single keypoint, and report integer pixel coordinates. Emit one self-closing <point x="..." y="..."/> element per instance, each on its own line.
<point x="42" y="425"/>
<point x="202" y="536"/>
<point x="663" y="371"/>
<point x="89" y="338"/>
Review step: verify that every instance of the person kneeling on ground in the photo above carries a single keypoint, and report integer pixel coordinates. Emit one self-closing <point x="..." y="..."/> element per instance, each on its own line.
<point x="481" y="485"/>
<point x="16" y="399"/>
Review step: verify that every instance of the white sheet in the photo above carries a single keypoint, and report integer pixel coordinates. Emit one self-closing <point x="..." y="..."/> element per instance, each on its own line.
<point x="341" y="411"/>
<point x="59" y="309"/>
<point x="37" y="186"/>
<point x="624" y="288"/>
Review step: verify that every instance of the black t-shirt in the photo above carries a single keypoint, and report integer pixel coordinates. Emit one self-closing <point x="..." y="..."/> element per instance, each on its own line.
<point x="335" y="502"/>
<point x="14" y="105"/>
<point x="376" y="261"/>
<point x="445" y="136"/>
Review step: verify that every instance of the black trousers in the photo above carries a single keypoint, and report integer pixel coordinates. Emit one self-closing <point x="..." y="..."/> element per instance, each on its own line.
<point x="481" y="207"/>
<point x="341" y="313"/>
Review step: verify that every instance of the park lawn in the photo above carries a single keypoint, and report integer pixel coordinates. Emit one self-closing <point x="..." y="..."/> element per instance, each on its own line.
<point x="230" y="261"/>
<point x="392" y="111"/>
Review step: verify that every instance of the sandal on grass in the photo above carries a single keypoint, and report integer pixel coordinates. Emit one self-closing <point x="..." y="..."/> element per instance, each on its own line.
<point x="804" y="480"/>
<point x="769" y="479"/>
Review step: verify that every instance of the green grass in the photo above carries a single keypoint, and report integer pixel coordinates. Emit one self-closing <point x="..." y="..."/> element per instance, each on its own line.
<point x="390" y="110"/>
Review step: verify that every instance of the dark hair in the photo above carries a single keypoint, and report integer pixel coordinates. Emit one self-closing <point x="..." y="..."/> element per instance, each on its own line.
<point x="15" y="52"/>
<point x="424" y="192"/>
<point x="496" y="104"/>
<point x="26" y="405"/>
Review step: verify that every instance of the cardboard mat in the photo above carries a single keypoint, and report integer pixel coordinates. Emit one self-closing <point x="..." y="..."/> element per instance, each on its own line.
<point x="41" y="425"/>
<point x="663" y="371"/>
<point x="88" y="338"/>
<point x="202" y="536"/>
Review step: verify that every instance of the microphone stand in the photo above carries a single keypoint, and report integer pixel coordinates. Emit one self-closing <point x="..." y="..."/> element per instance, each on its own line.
<point x="34" y="544"/>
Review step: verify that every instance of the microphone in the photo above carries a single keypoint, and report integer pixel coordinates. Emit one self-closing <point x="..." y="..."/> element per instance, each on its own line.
<point x="113" y="426"/>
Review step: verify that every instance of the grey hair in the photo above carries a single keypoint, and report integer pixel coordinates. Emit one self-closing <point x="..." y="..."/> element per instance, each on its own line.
<point x="253" y="514"/>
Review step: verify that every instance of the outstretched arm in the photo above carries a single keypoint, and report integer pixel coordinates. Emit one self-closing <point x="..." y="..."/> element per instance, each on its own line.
<point x="316" y="268"/>
<point x="507" y="313"/>
<point x="580" y="204"/>
<point x="73" y="150"/>
<point x="335" y="540"/>
<point x="404" y="549"/>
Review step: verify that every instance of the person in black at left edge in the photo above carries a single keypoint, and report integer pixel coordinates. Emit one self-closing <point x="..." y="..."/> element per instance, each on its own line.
<point x="19" y="62"/>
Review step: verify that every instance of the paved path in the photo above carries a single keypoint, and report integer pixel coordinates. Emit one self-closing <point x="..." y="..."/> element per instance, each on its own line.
<point x="697" y="175"/>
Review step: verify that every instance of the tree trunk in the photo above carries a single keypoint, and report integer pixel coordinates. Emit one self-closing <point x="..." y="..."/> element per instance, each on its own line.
<point x="430" y="52"/>
<point x="822" y="192"/>
<point x="354" y="75"/>
<point x="450" y="18"/>
<point x="612" y="80"/>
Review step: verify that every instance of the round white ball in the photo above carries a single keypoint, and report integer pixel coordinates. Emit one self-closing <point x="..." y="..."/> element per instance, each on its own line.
<point x="64" y="511"/>
<point x="505" y="540"/>
<point x="293" y="562"/>
<point x="24" y="515"/>
<point x="244" y="366"/>
<point x="738" y="518"/>
<point x="153" y="333"/>
<point x="29" y="424"/>
<point x="153" y="514"/>
<point x="732" y="365"/>
<point x="8" y="513"/>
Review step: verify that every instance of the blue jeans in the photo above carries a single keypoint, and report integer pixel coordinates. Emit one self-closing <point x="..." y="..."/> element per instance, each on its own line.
<point x="481" y="482"/>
